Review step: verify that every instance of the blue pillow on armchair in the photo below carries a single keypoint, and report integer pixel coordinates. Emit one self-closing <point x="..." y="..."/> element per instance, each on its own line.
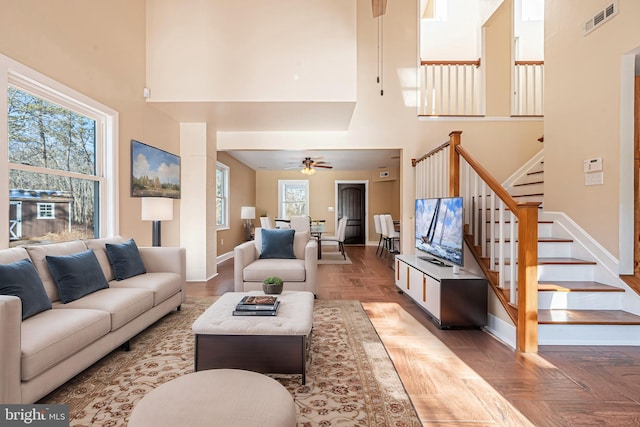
<point x="277" y="243"/>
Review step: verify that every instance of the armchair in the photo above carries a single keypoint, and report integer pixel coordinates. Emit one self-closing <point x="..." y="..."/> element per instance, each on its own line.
<point x="298" y="274"/>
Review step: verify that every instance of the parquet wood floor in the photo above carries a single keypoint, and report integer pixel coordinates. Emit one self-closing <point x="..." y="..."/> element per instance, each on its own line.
<point x="468" y="378"/>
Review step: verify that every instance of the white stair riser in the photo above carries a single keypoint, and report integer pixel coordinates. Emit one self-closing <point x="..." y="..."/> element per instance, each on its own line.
<point x="545" y="249"/>
<point x="544" y="230"/>
<point x="579" y="300"/>
<point x="554" y="250"/>
<point x="589" y="335"/>
<point x="565" y="272"/>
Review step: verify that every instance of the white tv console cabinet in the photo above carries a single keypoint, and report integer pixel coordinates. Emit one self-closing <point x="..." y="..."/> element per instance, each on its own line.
<point x="452" y="300"/>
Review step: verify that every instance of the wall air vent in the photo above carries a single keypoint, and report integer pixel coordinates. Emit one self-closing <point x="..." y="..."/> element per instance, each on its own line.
<point x="601" y="17"/>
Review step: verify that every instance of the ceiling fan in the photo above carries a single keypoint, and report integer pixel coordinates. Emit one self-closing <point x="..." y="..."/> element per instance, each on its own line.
<point x="309" y="165"/>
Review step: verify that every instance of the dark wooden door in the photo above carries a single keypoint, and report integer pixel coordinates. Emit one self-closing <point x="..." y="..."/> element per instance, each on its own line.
<point x="351" y="203"/>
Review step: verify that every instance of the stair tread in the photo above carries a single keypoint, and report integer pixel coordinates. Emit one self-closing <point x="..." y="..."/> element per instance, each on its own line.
<point x="576" y="286"/>
<point x="587" y="317"/>
<point x="541" y="240"/>
<point x="559" y="261"/>
<point x="535" y="172"/>
<point x="527" y="195"/>
<point x="528" y="183"/>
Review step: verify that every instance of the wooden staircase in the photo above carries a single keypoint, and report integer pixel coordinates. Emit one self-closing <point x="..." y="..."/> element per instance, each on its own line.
<point x="573" y="306"/>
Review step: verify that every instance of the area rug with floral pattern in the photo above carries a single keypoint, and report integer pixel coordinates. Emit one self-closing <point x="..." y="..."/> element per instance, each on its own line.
<point x="350" y="379"/>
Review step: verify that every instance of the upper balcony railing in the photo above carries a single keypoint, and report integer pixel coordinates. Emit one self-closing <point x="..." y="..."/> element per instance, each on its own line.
<point x="454" y="88"/>
<point x="528" y="82"/>
<point x="450" y="88"/>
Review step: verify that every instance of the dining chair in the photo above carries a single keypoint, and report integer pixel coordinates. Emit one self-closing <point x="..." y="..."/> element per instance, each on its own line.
<point x="265" y="222"/>
<point x="301" y="223"/>
<point x="376" y="222"/>
<point x="383" y="234"/>
<point x="341" y="233"/>
<point x="282" y="223"/>
<point x="392" y="235"/>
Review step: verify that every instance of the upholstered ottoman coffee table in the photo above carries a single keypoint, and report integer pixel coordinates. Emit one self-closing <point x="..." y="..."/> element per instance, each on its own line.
<point x="268" y="344"/>
<point x="217" y="397"/>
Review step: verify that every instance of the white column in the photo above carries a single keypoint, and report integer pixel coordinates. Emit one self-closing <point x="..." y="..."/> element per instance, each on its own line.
<point x="197" y="207"/>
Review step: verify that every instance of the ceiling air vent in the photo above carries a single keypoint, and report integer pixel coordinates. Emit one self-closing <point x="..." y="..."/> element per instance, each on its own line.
<point x="601" y="17"/>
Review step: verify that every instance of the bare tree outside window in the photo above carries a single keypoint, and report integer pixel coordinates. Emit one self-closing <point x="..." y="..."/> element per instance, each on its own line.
<point x="52" y="159"/>
<point x="293" y="198"/>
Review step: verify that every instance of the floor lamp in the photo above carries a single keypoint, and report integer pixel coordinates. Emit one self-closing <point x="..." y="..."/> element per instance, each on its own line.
<point x="248" y="213"/>
<point x="157" y="209"/>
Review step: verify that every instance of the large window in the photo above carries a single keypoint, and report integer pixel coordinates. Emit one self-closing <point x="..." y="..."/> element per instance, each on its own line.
<point x="222" y="195"/>
<point x="60" y="147"/>
<point x="293" y="198"/>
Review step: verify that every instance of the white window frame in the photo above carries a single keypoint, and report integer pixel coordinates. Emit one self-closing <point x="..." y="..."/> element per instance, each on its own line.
<point x="440" y="11"/>
<point x="225" y="197"/>
<point x="46" y="210"/>
<point x="24" y="78"/>
<point x="532" y="10"/>
<point x="282" y="183"/>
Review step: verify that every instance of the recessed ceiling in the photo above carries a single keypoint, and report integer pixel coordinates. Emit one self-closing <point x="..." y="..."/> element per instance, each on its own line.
<point x="341" y="160"/>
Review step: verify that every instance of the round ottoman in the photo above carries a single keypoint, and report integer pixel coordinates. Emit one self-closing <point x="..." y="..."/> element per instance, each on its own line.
<point x="217" y="397"/>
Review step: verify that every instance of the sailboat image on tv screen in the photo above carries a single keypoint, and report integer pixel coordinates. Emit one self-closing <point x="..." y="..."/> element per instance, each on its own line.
<point x="439" y="228"/>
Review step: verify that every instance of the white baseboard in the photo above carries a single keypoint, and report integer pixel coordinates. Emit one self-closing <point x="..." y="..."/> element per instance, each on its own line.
<point x="224" y="257"/>
<point x="503" y="331"/>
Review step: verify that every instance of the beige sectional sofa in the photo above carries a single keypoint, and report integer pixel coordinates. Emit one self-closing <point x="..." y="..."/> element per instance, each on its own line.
<point x="42" y="352"/>
<point x="298" y="273"/>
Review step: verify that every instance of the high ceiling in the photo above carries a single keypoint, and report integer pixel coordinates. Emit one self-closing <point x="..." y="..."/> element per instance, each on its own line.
<point x="341" y="160"/>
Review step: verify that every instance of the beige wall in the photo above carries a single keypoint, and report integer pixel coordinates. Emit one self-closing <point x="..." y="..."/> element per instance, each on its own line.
<point x="242" y="192"/>
<point x="251" y="50"/>
<point x="98" y="49"/>
<point x="496" y="59"/>
<point x="583" y="113"/>
<point x="384" y="196"/>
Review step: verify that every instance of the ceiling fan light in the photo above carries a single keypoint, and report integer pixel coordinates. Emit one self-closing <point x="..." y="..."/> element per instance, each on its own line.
<point x="308" y="171"/>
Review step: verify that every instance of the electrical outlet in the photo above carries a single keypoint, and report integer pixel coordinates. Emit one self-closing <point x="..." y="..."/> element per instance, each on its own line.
<point x="221" y="242"/>
<point x="594" y="178"/>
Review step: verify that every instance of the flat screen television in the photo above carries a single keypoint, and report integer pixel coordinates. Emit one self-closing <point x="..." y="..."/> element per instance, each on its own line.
<point x="440" y="230"/>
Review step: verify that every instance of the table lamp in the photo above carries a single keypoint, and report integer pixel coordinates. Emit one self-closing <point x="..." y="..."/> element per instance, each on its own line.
<point x="248" y="213"/>
<point x="157" y="209"/>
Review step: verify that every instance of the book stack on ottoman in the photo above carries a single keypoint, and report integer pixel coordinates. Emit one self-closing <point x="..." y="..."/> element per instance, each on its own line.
<point x="257" y="305"/>
<point x="268" y="344"/>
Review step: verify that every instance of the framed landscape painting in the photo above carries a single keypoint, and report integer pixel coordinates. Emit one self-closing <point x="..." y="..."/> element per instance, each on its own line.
<point x="154" y="172"/>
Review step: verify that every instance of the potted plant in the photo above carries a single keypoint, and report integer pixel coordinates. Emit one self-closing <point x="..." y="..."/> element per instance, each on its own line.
<point x="272" y="285"/>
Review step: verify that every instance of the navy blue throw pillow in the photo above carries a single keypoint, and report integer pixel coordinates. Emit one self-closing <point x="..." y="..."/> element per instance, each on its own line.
<point x="277" y="243"/>
<point x="125" y="259"/>
<point x="76" y="275"/>
<point x="20" y="279"/>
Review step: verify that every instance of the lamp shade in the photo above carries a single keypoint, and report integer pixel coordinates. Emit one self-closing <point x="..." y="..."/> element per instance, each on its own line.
<point x="157" y="209"/>
<point x="248" y="212"/>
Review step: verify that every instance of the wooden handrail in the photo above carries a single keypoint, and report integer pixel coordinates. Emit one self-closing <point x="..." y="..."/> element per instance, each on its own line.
<point x="451" y="62"/>
<point x="490" y="180"/>
<point x="414" y="162"/>
<point x="529" y="62"/>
